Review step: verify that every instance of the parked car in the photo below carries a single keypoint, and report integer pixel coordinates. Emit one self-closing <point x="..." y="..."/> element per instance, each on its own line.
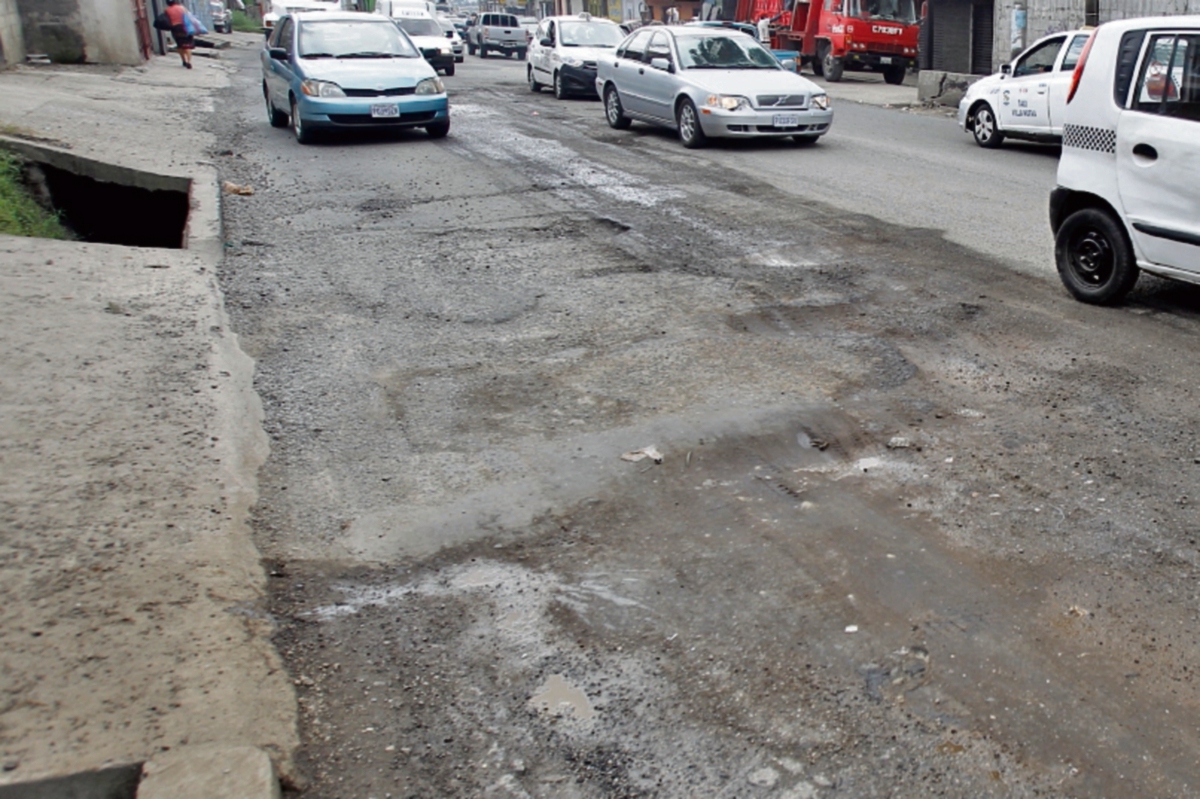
<point x="530" y="25"/>
<point x="1027" y="98"/>
<point x="706" y="82"/>
<point x="1128" y="195"/>
<point x="496" y="32"/>
<point x="425" y="33"/>
<point x="346" y="70"/>
<point x="222" y="17"/>
<point x="456" y="43"/>
<point x="565" y="50"/>
<point x="280" y="7"/>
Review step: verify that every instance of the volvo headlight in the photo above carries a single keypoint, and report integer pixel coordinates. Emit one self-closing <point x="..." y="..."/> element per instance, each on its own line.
<point x="430" y="86"/>
<point x="820" y="101"/>
<point x="727" y="101"/>
<point x="321" y="88"/>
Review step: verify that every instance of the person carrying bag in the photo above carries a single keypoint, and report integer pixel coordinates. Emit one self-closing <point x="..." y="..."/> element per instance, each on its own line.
<point x="184" y="28"/>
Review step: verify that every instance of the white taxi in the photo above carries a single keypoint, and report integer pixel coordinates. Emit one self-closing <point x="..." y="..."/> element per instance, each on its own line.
<point x="564" y="51"/>
<point x="1027" y="98"/>
<point x="1128" y="195"/>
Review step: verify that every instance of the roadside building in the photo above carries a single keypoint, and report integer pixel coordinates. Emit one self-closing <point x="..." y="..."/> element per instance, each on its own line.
<point x="963" y="39"/>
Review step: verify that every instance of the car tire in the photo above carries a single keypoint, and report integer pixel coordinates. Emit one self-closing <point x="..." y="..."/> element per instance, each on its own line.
<point x="831" y="66"/>
<point x="688" y="123"/>
<point x="301" y="131"/>
<point x="614" y="112"/>
<point x="987" y="131"/>
<point x="1094" y="257"/>
<point x="560" y="91"/>
<point x="449" y="70"/>
<point x="534" y="86"/>
<point x="894" y="75"/>
<point x="277" y="118"/>
<point x="438" y="130"/>
<point x="805" y="140"/>
<point x="482" y="51"/>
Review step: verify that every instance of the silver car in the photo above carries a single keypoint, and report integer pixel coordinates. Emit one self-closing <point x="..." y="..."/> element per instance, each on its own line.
<point x="709" y="82"/>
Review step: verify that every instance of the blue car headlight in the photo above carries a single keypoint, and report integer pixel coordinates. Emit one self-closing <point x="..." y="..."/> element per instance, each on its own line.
<point x="321" y="88"/>
<point x="430" y="86"/>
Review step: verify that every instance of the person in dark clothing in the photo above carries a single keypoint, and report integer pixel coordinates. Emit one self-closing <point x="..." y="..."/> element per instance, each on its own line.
<point x="184" y="41"/>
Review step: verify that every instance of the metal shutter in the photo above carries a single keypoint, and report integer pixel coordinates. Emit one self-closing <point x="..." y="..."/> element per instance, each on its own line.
<point x="982" y="37"/>
<point x="951" y="35"/>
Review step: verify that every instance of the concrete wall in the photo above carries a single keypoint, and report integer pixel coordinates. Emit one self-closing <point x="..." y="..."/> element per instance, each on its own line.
<point x="79" y="31"/>
<point x="1044" y="17"/>
<point x="12" y="42"/>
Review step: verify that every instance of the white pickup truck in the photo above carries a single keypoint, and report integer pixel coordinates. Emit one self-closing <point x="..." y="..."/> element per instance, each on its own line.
<point x="497" y="32"/>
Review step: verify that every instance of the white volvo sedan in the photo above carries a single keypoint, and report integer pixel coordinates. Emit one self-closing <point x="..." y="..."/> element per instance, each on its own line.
<point x="709" y="82"/>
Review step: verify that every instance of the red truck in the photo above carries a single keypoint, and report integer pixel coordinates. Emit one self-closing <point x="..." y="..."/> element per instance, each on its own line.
<point x="836" y="35"/>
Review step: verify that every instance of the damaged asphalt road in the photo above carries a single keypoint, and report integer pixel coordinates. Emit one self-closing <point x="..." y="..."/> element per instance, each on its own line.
<point x="922" y="525"/>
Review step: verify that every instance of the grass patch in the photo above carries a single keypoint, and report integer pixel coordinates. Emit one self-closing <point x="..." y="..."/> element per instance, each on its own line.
<point x="245" y="23"/>
<point x="20" y="215"/>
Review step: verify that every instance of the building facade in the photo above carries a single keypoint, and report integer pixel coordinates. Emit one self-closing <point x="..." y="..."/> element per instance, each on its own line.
<point x="975" y="37"/>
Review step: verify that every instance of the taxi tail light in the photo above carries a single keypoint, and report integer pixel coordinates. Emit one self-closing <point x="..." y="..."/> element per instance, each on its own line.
<point x="1083" y="57"/>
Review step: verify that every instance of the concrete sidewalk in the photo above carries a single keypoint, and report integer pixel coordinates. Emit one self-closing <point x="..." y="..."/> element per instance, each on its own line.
<point x="131" y="621"/>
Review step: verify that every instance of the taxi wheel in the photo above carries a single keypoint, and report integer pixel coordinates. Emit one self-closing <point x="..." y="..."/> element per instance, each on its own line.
<point x="688" y="121"/>
<point x="534" y="86"/>
<point x="613" y="111"/>
<point x="438" y="130"/>
<point x="1095" y="260"/>
<point x="983" y="125"/>
<point x="560" y="91"/>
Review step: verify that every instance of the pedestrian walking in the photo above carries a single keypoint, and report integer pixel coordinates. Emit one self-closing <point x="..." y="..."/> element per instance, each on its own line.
<point x="184" y="27"/>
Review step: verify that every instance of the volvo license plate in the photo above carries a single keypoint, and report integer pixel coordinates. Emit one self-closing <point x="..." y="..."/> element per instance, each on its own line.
<point x="385" y="111"/>
<point x="786" y="121"/>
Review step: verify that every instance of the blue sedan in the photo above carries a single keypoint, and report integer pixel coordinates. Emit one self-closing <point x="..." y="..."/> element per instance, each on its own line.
<point x="336" y="70"/>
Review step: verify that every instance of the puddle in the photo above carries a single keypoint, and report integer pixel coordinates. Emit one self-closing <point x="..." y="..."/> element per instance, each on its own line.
<point x="559" y="698"/>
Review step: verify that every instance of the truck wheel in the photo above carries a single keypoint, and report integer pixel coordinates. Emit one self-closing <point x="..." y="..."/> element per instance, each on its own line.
<point x="521" y="54"/>
<point x="688" y="122"/>
<point x="1094" y="257"/>
<point x="613" y="111"/>
<point x="894" y="74"/>
<point x="482" y="51"/>
<point x="470" y="49"/>
<point x="832" y="66"/>
<point x="983" y="125"/>
<point x="449" y="70"/>
<point x="816" y="61"/>
<point x="534" y="86"/>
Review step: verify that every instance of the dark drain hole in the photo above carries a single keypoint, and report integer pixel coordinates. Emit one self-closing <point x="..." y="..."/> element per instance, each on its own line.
<point x="113" y="213"/>
<point x="106" y="203"/>
<point x="120" y="782"/>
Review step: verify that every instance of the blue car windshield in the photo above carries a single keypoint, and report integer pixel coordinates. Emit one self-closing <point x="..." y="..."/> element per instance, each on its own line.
<point x="589" y="34"/>
<point x="733" y="51"/>
<point x="354" y="39"/>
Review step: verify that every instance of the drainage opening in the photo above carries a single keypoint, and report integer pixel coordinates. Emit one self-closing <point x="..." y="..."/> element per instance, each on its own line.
<point x="107" y="204"/>
<point x="118" y="782"/>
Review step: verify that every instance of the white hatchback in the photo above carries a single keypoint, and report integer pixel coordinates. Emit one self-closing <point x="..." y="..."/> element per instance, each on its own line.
<point x="1128" y="196"/>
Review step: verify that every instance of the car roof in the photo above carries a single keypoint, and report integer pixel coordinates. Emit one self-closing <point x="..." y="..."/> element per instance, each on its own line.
<point x="332" y="16"/>
<point x="579" y="18"/>
<point x="1157" y="23"/>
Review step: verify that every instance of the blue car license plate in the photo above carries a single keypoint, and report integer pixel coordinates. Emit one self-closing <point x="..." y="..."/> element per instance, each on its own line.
<point x="786" y="121"/>
<point x="384" y="111"/>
